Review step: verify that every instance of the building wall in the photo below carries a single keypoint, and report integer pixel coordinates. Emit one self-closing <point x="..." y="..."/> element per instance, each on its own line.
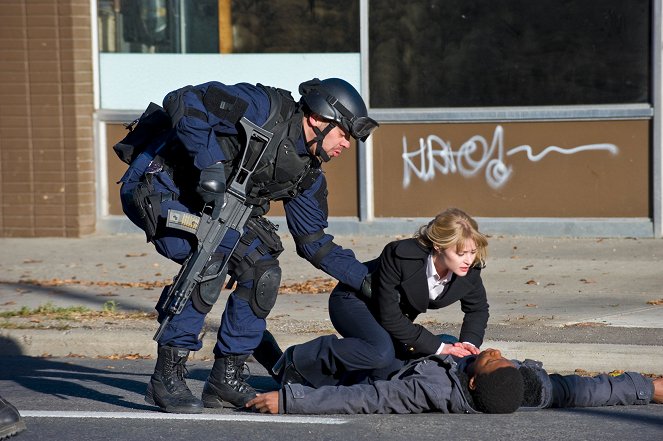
<point x="47" y="180"/>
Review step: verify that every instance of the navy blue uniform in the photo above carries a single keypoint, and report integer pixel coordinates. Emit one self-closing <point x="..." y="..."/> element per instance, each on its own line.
<point x="196" y="134"/>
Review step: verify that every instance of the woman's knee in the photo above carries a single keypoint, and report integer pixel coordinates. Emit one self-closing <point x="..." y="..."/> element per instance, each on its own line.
<point x="384" y="356"/>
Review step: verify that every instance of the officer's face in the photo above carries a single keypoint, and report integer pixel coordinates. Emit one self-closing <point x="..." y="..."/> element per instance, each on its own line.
<point x="336" y="141"/>
<point x="457" y="260"/>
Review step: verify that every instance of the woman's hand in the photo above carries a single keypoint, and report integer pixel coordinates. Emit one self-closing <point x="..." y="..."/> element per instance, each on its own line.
<point x="459" y="349"/>
<point x="265" y="403"/>
<point x="470" y="347"/>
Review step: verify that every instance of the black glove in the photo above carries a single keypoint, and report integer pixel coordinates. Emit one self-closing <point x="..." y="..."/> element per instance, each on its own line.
<point x="365" y="290"/>
<point x="212" y="187"/>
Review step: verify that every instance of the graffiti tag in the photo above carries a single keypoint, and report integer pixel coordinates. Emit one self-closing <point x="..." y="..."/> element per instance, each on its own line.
<point x="436" y="155"/>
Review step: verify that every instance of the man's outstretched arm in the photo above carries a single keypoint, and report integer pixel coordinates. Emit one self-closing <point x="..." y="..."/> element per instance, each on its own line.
<point x="413" y="394"/>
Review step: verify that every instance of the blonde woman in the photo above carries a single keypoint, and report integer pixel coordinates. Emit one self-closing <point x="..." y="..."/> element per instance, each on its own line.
<point x="439" y="266"/>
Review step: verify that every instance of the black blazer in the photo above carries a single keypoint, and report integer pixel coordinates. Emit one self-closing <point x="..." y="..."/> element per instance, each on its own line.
<point x="400" y="294"/>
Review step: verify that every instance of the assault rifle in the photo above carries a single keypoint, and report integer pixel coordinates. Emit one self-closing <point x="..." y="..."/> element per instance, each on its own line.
<point x="210" y="232"/>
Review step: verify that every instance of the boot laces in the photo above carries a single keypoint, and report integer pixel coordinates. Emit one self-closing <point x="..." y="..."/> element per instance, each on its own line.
<point x="237" y="375"/>
<point x="181" y="372"/>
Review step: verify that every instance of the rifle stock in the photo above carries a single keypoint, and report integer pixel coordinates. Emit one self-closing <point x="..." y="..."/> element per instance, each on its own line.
<point x="209" y="231"/>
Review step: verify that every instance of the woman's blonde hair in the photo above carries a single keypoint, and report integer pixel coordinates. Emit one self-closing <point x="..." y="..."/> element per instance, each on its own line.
<point x="450" y="228"/>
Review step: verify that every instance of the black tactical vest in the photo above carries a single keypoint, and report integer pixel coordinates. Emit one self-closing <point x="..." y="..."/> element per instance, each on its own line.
<point x="282" y="172"/>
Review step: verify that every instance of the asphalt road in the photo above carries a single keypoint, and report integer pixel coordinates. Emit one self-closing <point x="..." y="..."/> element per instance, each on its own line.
<point x="102" y="399"/>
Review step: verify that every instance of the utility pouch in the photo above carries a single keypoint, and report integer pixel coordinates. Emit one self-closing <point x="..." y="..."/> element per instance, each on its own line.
<point x="148" y="206"/>
<point x="153" y="126"/>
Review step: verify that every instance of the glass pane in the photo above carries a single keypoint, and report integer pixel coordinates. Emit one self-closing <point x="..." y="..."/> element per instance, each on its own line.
<point x="457" y="53"/>
<point x="228" y="26"/>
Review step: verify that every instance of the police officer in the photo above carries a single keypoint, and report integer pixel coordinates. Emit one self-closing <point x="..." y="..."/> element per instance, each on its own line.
<point x="187" y="166"/>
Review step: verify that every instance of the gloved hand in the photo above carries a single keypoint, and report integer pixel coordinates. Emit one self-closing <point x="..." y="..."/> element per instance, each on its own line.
<point x="212" y="187"/>
<point x="365" y="290"/>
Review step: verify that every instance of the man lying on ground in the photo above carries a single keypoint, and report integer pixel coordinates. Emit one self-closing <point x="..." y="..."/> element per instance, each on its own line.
<point x="487" y="383"/>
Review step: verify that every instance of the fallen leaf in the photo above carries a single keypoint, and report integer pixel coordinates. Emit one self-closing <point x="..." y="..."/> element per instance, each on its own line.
<point x="531" y="305"/>
<point x="316" y="285"/>
<point x="32" y="261"/>
<point x="531" y="282"/>
<point x="588" y="281"/>
<point x="135" y="255"/>
<point x="584" y="325"/>
<point x="655" y="302"/>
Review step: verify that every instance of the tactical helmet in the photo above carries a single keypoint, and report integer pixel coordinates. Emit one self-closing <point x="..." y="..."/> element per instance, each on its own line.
<point x="336" y="100"/>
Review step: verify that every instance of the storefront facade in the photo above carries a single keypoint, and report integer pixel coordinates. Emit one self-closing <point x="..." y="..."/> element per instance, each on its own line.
<point x="538" y="118"/>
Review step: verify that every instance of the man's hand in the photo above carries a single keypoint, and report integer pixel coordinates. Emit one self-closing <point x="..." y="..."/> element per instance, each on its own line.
<point x="658" y="391"/>
<point x="266" y="403"/>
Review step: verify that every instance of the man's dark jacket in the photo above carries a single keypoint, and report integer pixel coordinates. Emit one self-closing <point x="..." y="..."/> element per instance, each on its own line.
<point x="438" y="384"/>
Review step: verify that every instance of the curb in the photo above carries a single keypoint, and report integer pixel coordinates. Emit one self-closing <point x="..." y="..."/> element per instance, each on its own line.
<point x="556" y="357"/>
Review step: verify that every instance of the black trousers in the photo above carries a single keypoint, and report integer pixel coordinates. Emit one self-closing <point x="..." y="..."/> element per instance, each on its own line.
<point x="366" y="351"/>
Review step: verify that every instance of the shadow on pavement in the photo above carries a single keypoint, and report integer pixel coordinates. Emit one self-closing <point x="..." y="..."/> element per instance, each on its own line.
<point x="66" y="380"/>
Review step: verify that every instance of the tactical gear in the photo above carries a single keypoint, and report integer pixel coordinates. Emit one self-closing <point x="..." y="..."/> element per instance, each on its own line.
<point x="268" y="353"/>
<point x="152" y="127"/>
<point x="266" y="281"/>
<point x="11" y="421"/>
<point x="324" y="249"/>
<point x="225" y="386"/>
<point x="243" y="262"/>
<point x="167" y="388"/>
<point x="207" y="293"/>
<point x="336" y="100"/>
<point x="212" y="187"/>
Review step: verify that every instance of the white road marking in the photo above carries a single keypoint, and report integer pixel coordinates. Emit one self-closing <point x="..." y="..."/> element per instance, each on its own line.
<point x="181" y="416"/>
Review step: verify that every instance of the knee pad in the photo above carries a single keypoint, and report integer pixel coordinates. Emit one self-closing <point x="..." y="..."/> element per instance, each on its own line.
<point x="262" y="296"/>
<point x="207" y="293"/>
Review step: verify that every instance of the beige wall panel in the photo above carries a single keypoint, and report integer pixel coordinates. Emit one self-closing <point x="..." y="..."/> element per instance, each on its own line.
<point x="484" y="169"/>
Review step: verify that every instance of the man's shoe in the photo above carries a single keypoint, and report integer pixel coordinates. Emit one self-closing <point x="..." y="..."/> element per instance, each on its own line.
<point x="225" y="386"/>
<point x="167" y="388"/>
<point x="11" y="422"/>
<point x="285" y="371"/>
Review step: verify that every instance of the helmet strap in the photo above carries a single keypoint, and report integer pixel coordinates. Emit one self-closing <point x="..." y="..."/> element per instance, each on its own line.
<point x="319" y="137"/>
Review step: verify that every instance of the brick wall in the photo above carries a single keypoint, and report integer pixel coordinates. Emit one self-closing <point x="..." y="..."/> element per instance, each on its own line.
<point x="47" y="182"/>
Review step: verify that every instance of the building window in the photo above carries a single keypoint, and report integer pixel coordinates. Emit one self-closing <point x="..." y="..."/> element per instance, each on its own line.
<point x="466" y="53"/>
<point x="228" y="26"/>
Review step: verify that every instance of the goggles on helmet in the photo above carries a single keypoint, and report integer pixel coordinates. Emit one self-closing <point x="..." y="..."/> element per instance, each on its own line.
<point x="325" y="104"/>
<point x="360" y="127"/>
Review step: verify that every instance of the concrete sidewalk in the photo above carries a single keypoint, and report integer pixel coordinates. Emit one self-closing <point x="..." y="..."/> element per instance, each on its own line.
<point x="595" y="304"/>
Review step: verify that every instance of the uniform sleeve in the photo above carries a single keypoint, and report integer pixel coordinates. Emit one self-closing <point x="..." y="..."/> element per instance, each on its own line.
<point x="417" y="339"/>
<point x="602" y="390"/>
<point x="306" y="214"/>
<point x="199" y="126"/>
<point x="475" y="306"/>
<point x="413" y="394"/>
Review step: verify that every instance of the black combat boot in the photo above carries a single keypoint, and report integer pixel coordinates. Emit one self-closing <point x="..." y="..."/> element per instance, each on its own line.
<point x="10" y="420"/>
<point x="225" y="386"/>
<point x="268" y="353"/>
<point x="167" y="388"/>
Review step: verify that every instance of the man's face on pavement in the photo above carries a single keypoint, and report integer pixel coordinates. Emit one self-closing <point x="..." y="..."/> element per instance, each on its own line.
<point x="489" y="360"/>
